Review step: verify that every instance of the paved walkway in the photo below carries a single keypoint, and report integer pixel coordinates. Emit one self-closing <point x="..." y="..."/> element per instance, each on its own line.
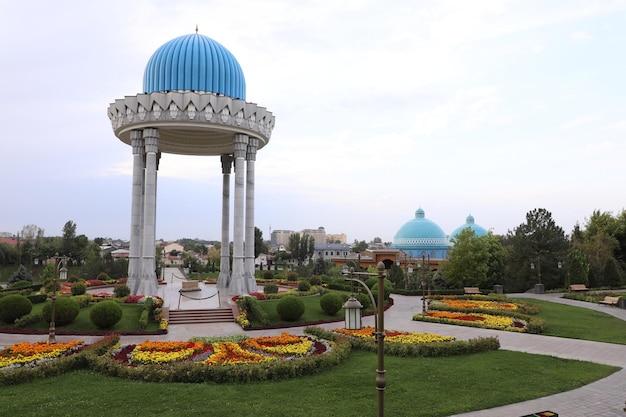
<point x="603" y="398"/>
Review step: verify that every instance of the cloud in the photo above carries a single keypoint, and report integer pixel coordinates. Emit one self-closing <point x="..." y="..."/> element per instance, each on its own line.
<point x="580" y="36"/>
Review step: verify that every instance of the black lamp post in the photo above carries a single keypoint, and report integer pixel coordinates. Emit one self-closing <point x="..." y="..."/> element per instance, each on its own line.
<point x="62" y="261"/>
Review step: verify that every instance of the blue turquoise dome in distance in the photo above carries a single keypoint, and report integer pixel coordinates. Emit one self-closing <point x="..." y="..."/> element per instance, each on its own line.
<point x="421" y="236"/>
<point x="194" y="63"/>
<point x="469" y="222"/>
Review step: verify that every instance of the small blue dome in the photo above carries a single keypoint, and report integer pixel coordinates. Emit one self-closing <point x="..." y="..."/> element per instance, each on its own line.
<point x="194" y="63"/>
<point x="469" y="223"/>
<point x="420" y="234"/>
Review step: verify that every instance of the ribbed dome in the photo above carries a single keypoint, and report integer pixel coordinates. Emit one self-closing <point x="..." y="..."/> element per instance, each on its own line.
<point x="469" y="223"/>
<point x="420" y="233"/>
<point x="194" y="63"/>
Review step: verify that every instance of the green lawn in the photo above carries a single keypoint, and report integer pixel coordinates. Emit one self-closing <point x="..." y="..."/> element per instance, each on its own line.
<point x="415" y="387"/>
<point x="82" y="323"/>
<point x="580" y="323"/>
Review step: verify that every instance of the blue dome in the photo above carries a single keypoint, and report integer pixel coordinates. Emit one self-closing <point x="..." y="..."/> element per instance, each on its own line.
<point x="194" y="63"/>
<point x="469" y="223"/>
<point x="420" y="234"/>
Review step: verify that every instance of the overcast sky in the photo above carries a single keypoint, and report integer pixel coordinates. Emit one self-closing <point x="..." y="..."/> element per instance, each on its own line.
<point x="488" y="108"/>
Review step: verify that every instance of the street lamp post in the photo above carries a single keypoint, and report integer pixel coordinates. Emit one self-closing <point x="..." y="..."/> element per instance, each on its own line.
<point x="58" y="260"/>
<point x="379" y="315"/>
<point x="539" y="288"/>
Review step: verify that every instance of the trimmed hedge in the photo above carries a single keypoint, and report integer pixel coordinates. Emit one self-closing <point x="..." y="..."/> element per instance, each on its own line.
<point x="290" y="308"/>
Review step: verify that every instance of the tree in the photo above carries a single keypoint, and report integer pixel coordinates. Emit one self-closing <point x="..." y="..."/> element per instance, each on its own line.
<point x="539" y="243"/>
<point x="358" y="247"/>
<point x="321" y="267"/>
<point x="578" y="268"/>
<point x="259" y="245"/>
<point x="69" y="236"/>
<point x="612" y="276"/>
<point x="468" y="259"/>
<point x="301" y="247"/>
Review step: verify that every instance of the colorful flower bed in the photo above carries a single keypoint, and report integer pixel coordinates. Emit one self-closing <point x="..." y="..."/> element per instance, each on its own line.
<point x="32" y="354"/>
<point x="488" y="321"/>
<point x="394" y="336"/>
<point x="257" y="350"/>
<point x="452" y="303"/>
<point x="486" y="312"/>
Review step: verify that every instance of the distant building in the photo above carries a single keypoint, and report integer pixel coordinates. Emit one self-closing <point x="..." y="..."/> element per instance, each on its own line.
<point x="469" y="224"/>
<point x="330" y="251"/>
<point x="319" y="234"/>
<point x="280" y="237"/>
<point x="336" y="238"/>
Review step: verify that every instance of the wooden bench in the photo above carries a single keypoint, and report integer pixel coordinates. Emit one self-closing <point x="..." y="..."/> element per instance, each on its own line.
<point x="609" y="301"/>
<point x="190" y="286"/>
<point x="471" y="290"/>
<point x="578" y="287"/>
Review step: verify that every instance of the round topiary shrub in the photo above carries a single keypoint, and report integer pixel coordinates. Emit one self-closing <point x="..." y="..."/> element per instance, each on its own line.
<point x="66" y="309"/>
<point x="331" y="303"/>
<point x="268" y="274"/>
<point x="292" y="276"/>
<point x="304" y="286"/>
<point x="79" y="288"/>
<point x="13" y="307"/>
<point x="315" y="280"/>
<point x="102" y="276"/>
<point x="270" y="289"/>
<point x="106" y="314"/>
<point x="121" y="291"/>
<point x="371" y="282"/>
<point x="364" y="299"/>
<point x="290" y="308"/>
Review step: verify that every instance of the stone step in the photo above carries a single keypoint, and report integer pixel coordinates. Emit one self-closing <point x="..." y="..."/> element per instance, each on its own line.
<point x="218" y="315"/>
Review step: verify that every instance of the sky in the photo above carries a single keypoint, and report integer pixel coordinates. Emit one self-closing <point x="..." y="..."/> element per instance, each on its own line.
<point x="488" y="108"/>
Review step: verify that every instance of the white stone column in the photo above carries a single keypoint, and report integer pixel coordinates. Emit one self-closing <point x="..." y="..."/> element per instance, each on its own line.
<point x="136" y="214"/>
<point x="237" y="282"/>
<point x="148" y="284"/>
<point x="249" y="243"/>
<point x="224" y="277"/>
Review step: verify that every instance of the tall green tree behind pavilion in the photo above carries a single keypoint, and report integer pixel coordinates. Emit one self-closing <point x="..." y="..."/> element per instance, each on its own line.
<point x="534" y="250"/>
<point x="467" y="263"/>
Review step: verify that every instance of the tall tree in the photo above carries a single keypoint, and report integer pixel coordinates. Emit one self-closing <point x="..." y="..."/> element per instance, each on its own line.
<point x="259" y="244"/>
<point x="533" y="252"/>
<point x="301" y="247"/>
<point x="467" y="263"/>
<point x="69" y="236"/>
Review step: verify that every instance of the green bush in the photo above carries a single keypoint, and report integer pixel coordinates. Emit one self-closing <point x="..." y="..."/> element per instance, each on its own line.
<point x="268" y="274"/>
<point x="105" y="314"/>
<point x="83" y="300"/>
<point x="315" y="280"/>
<point x="331" y="303"/>
<point x="79" y="288"/>
<point x="20" y="284"/>
<point x="13" y="307"/>
<point x="292" y="276"/>
<point x="27" y="320"/>
<point x="387" y="288"/>
<point x="37" y="298"/>
<point x="102" y="276"/>
<point x="371" y="282"/>
<point x="66" y="309"/>
<point x="121" y="291"/>
<point x="251" y="306"/>
<point x="290" y="308"/>
<point x="270" y="288"/>
<point x="364" y="299"/>
<point x="304" y="286"/>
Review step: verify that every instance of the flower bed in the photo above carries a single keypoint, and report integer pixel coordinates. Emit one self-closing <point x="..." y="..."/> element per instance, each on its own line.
<point x="257" y="350"/>
<point x="394" y="336"/>
<point x="32" y="354"/>
<point x="485" y="312"/>
<point x="487" y="321"/>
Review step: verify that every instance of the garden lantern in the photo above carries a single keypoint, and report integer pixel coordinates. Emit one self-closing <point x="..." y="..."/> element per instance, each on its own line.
<point x="352" y="309"/>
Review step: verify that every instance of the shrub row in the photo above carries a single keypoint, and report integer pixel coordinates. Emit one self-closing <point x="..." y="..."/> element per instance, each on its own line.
<point x="430" y="350"/>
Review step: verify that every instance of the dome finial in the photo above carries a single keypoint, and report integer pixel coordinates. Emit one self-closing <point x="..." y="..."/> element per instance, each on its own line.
<point x="196" y="28"/>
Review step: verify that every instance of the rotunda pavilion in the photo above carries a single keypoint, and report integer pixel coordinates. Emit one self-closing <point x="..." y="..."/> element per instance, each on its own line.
<point x="469" y="224"/>
<point x="193" y="103"/>
<point x="421" y="238"/>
